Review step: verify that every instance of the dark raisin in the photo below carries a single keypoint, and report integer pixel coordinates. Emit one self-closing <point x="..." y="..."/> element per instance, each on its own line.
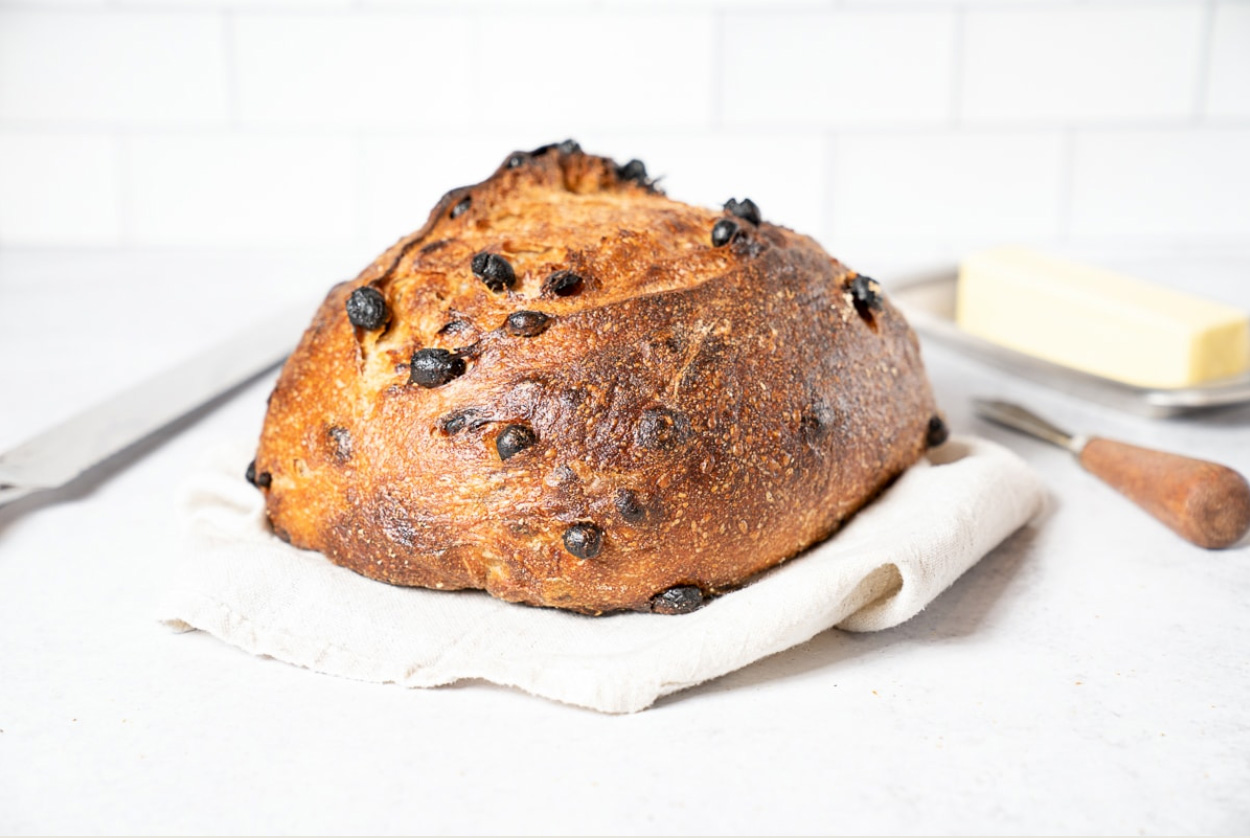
<point x="569" y="147"/>
<point x="514" y="439"/>
<point x="264" y="479"/>
<point x="583" y="540"/>
<point x="937" y="433"/>
<point x="342" y="440"/>
<point x="526" y="324"/>
<point x="542" y="149"/>
<point x="563" y="283"/>
<point x="629" y="506"/>
<point x="744" y="209"/>
<point x="634" y="170"/>
<point x="493" y="270"/>
<point x="723" y="232"/>
<point x="466" y="419"/>
<point x="661" y="429"/>
<point x="366" y="308"/>
<point x="434" y="367"/>
<point x="250" y="474"/>
<point x="462" y="206"/>
<point x="866" y="292"/>
<point x="679" y="599"/>
<point x="516" y="160"/>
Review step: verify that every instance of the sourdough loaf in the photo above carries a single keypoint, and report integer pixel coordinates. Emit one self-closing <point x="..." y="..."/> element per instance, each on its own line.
<point x="569" y="390"/>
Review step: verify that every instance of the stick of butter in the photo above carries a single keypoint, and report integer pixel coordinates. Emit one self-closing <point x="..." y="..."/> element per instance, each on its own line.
<point x="1098" y="321"/>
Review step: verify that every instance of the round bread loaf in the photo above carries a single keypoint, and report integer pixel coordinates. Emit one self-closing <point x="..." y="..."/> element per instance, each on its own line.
<point x="568" y="390"/>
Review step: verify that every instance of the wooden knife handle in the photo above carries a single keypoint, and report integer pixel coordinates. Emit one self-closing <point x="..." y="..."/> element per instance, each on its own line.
<point x="1203" y="502"/>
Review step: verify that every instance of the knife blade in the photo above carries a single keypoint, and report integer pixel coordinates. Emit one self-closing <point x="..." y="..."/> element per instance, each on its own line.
<point x="60" y="454"/>
<point x="1026" y="421"/>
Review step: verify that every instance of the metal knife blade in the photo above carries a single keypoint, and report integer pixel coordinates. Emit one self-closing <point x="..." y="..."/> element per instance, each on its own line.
<point x="1016" y="417"/>
<point x="62" y="453"/>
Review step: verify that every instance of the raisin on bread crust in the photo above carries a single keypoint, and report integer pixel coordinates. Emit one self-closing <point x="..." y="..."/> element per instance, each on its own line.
<point x="569" y="390"/>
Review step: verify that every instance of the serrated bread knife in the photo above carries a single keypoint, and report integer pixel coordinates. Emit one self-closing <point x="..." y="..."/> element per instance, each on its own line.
<point x="59" y="455"/>
<point x="1203" y="502"/>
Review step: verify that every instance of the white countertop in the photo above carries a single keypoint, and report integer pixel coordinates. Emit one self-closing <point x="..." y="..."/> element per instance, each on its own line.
<point x="1090" y="675"/>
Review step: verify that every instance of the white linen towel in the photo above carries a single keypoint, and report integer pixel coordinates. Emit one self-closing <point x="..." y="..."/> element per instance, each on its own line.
<point x="241" y="584"/>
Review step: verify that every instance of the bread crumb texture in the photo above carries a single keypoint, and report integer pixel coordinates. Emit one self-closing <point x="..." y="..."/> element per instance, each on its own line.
<point x="568" y="390"/>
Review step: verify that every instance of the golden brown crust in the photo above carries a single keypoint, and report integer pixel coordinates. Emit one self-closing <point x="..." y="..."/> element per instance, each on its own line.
<point x="705" y="412"/>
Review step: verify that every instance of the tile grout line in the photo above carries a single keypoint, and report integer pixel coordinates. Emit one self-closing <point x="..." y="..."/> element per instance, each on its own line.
<point x="718" y="69"/>
<point x="955" y="117"/>
<point x="829" y="204"/>
<point x="390" y="8"/>
<point x="306" y="130"/>
<point x="1067" y="175"/>
<point x="1202" y="78"/>
<point x="359" y="193"/>
<point x="230" y="59"/>
<point x="123" y="150"/>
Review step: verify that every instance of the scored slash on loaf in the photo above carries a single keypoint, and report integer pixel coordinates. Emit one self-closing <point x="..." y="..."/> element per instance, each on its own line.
<point x="569" y="390"/>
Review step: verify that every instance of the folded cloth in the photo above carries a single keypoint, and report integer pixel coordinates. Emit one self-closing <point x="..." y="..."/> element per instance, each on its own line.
<point x="240" y="583"/>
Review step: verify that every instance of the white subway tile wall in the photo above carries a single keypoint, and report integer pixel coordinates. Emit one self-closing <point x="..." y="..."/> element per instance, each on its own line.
<point x="881" y="127"/>
<point x="837" y="69"/>
<point x="1171" y="185"/>
<point x="958" y="188"/>
<point x="59" y="188"/>
<point x="333" y="70"/>
<point x="247" y="190"/>
<point x="1093" y="64"/>
<point x="541" y="69"/>
<point x="115" y="69"/>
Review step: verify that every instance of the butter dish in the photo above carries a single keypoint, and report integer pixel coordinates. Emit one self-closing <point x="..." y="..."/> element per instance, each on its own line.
<point x="928" y="302"/>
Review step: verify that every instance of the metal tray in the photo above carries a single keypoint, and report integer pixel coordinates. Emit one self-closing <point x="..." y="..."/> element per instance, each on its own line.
<point x="928" y="303"/>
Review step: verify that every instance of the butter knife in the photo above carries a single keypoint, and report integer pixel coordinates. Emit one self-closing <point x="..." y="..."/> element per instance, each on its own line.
<point x="1203" y="502"/>
<point x="57" y="456"/>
